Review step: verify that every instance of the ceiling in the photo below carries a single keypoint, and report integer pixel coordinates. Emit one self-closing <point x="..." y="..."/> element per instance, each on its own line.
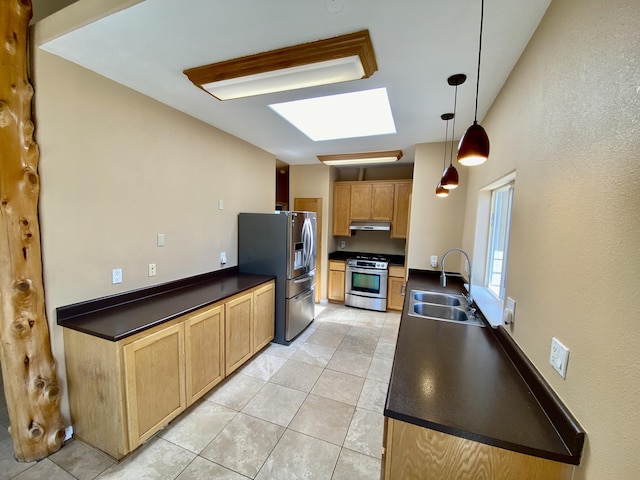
<point x="418" y="44"/>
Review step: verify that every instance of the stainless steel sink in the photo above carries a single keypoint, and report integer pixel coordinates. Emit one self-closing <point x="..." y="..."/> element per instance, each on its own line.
<point x="441" y="306"/>
<point x="439" y="298"/>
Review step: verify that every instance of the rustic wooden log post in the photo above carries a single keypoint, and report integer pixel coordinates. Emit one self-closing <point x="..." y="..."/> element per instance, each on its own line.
<point x="30" y="383"/>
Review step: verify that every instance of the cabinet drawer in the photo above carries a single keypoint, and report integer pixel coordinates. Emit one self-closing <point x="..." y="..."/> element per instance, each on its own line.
<point x="339" y="265"/>
<point x="396" y="271"/>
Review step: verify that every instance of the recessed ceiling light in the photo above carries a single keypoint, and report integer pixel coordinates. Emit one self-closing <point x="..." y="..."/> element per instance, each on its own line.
<point x="346" y="115"/>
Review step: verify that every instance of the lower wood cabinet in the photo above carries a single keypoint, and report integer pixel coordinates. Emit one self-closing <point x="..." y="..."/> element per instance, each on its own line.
<point x="204" y="345"/>
<point x="154" y="372"/>
<point x="121" y="393"/>
<point x="411" y="452"/>
<point x="395" y="288"/>
<point x="263" y="308"/>
<point x="238" y="331"/>
<point x="335" y="290"/>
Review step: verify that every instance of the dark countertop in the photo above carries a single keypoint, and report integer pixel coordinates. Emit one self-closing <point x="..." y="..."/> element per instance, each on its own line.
<point x="344" y="255"/>
<point x="119" y="316"/>
<point x="459" y="380"/>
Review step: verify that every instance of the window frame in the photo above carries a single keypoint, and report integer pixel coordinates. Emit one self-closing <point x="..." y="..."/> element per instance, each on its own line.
<point x="499" y="238"/>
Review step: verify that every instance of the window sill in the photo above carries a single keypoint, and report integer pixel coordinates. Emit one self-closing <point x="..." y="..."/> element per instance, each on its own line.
<point x="488" y="304"/>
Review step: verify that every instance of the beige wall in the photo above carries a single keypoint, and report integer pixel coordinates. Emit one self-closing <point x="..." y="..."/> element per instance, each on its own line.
<point x="314" y="181"/>
<point x="567" y="121"/>
<point x="118" y="168"/>
<point x="436" y="223"/>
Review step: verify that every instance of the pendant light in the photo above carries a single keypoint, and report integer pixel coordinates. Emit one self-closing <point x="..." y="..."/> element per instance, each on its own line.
<point x="440" y="190"/>
<point x="473" y="148"/>
<point x="450" y="176"/>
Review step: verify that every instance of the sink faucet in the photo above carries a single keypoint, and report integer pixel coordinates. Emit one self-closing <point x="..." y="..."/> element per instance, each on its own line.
<point x="443" y="276"/>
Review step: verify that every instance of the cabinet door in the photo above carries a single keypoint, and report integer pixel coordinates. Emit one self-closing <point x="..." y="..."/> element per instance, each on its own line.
<point x="395" y="299"/>
<point x="382" y="195"/>
<point x="361" y="201"/>
<point x="154" y="382"/>
<point x="264" y="316"/>
<point x="341" y="209"/>
<point x="204" y="351"/>
<point x="400" y="222"/>
<point x="336" y="281"/>
<point x="238" y="331"/>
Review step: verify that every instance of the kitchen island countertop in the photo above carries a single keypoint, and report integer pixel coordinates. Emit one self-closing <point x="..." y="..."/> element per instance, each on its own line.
<point x="459" y="380"/>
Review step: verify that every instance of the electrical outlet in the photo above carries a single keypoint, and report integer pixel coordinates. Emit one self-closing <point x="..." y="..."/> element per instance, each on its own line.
<point x="434" y="261"/>
<point x="559" y="357"/>
<point x="116" y="276"/>
<point x="152" y="269"/>
<point x="343" y="244"/>
<point x="223" y="258"/>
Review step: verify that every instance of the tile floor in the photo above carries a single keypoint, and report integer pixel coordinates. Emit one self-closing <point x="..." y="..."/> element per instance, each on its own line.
<point x="312" y="410"/>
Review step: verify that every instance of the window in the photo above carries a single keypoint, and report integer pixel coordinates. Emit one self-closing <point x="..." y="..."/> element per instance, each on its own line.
<point x="498" y="240"/>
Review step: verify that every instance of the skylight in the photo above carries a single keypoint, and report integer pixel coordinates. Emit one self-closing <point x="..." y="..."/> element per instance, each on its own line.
<point x="347" y="115"/>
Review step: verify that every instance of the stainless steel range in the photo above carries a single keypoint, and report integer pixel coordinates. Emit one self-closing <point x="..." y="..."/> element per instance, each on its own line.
<point x="366" y="282"/>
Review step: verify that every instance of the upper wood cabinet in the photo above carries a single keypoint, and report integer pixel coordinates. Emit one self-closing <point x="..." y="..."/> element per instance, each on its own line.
<point x="341" y="209"/>
<point x="401" y="204"/>
<point x="384" y="201"/>
<point x="372" y="201"/>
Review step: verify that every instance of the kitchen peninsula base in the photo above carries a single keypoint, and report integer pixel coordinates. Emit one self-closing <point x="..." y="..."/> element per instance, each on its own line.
<point x="412" y="452"/>
<point x="121" y="392"/>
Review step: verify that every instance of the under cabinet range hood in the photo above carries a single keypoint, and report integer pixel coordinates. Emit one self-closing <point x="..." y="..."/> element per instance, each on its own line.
<point x="378" y="226"/>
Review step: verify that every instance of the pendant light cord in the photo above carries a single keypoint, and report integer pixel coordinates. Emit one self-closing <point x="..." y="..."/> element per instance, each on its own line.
<point x="475" y="117"/>
<point x="446" y="141"/>
<point x="453" y="130"/>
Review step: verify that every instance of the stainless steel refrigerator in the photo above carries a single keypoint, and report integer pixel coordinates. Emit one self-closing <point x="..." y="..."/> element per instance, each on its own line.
<point x="282" y="244"/>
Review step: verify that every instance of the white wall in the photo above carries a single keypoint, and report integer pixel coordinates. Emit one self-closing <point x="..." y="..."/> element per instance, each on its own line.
<point x="117" y="168"/>
<point x="567" y="121"/>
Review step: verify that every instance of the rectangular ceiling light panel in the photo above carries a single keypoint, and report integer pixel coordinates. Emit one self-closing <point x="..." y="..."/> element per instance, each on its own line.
<point x="360" y="158"/>
<point x="347" y="115"/>
<point x="311" y="75"/>
<point x="331" y="60"/>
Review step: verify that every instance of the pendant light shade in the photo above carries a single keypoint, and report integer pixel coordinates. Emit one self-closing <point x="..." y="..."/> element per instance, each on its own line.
<point x="473" y="148"/>
<point x="450" y="178"/>
<point x="440" y="190"/>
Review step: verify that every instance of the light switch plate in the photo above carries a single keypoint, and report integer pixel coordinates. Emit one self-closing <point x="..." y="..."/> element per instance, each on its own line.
<point x="116" y="276"/>
<point x="559" y="357"/>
